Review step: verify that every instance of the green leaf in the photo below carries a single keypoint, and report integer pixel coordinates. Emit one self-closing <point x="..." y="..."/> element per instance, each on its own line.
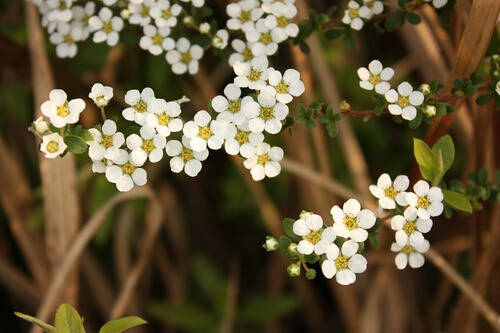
<point x="378" y="109"/>
<point x="334" y="34"/>
<point x="425" y="159"/>
<point x="288" y="228"/>
<point x="311" y="258"/>
<point x="484" y="99"/>
<point x="322" y="19"/>
<point x="75" y="144"/>
<point x="440" y="109"/>
<point x="261" y="309"/>
<point x="372" y="236"/>
<point x="185" y="316"/>
<point x="377" y="99"/>
<point x="284" y="242"/>
<point x="68" y="320"/>
<point x="122" y="324"/>
<point x="395" y="20"/>
<point x="447" y="148"/>
<point x="304" y="47"/>
<point x="457" y="201"/>
<point x="348" y="41"/>
<point x="483" y="175"/>
<point x="209" y="282"/>
<point x="417" y="121"/>
<point x="46" y="327"/>
<point x="332" y="129"/>
<point x="413" y="18"/>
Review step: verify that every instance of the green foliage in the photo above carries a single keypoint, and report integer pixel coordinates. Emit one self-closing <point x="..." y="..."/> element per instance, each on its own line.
<point x="68" y="320"/>
<point x="479" y="188"/>
<point x="122" y="324"/>
<point x="185" y="316"/>
<point x="288" y="228"/>
<point x="425" y="159"/>
<point x="457" y="201"/>
<point x="261" y="309"/>
<point x="348" y="41"/>
<point x="46" y="327"/>
<point x="284" y="243"/>
<point x="395" y="20"/>
<point x="413" y="18"/>
<point x="305" y="116"/>
<point x="434" y="163"/>
<point x="76" y="138"/>
<point x="329" y="119"/>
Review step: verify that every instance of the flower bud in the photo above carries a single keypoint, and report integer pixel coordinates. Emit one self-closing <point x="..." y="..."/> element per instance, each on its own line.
<point x="459" y="93"/>
<point x="292" y="249"/>
<point x="496" y="58"/>
<point x="293" y="270"/>
<point x="125" y="14"/>
<point x="271" y="244"/>
<point x="40" y="126"/>
<point x="311" y="274"/>
<point x="497" y="88"/>
<point x="188" y="21"/>
<point x="304" y="215"/>
<point x="204" y="28"/>
<point x="345" y="106"/>
<point x="425" y="89"/>
<point x="429" y="110"/>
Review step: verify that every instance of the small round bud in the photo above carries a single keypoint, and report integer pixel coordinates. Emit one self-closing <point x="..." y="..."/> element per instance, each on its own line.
<point x="292" y="249"/>
<point x="425" y="89"/>
<point x="495" y="58"/>
<point x="293" y="270"/>
<point x="188" y="21"/>
<point x="311" y="274"/>
<point x="271" y="244"/>
<point x="459" y="93"/>
<point x="430" y="110"/>
<point x="40" y="126"/>
<point x="304" y="215"/>
<point x="125" y="14"/>
<point x="204" y="28"/>
<point x="345" y="106"/>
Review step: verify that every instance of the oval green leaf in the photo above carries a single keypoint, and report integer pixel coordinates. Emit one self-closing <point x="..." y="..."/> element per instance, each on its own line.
<point x="122" y="324"/>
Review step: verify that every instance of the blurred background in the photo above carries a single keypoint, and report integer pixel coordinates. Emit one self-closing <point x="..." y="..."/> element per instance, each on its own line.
<point x="186" y="253"/>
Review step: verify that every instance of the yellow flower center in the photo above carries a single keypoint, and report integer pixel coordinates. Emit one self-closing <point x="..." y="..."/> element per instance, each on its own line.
<point x="409" y="227"/>
<point x="186" y="57"/>
<point x="266" y="113"/>
<point x="68" y="39"/>
<point x="374" y="79"/>
<point x="313" y="237"/>
<point x="423" y="202"/>
<point x="128" y="168"/>
<point x="247" y="54"/>
<point x="341" y="262"/>
<point x="390" y="192"/>
<point x="350" y="223"/>
<point x="141" y="106"/>
<point x="62" y="5"/>
<point x="241" y="137"/>
<point x="107" y="141"/>
<point x="245" y="16"/>
<point x="63" y="110"/>
<point x="403" y="101"/>
<point x="254" y="75"/>
<point x="369" y="4"/>
<point x="187" y="154"/>
<point x="262" y="159"/>
<point x="234" y="105"/>
<point x="107" y="27"/>
<point x="283" y="21"/>
<point x="353" y="13"/>
<point x="157" y="39"/>
<point x="204" y="132"/>
<point x="148" y="146"/>
<point x="52" y="146"/>
<point x="166" y="14"/>
<point x="266" y="38"/>
<point x="407" y="249"/>
<point x="145" y="11"/>
<point x="282" y="88"/>
<point x="163" y="119"/>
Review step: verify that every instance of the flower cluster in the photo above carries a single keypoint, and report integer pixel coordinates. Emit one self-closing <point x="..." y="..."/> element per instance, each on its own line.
<point x="355" y="14"/>
<point x="414" y="217"/>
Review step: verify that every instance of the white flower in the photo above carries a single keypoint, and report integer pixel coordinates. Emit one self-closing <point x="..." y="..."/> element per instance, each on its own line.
<point x="243" y="14"/>
<point x="427" y="201"/>
<point x="438" y="3"/>
<point x="354" y="15"/>
<point x="266" y="115"/>
<point x="139" y="105"/>
<point x="376" y="7"/>
<point x="149" y="144"/>
<point x="125" y="173"/>
<point x="52" y="145"/>
<point x="156" y="40"/>
<point x="409" y="228"/>
<point x="60" y="10"/>
<point x="60" y="110"/>
<point x="285" y="86"/>
<point x="280" y="20"/>
<point x="107" y="143"/>
<point x="252" y="75"/>
<point x="410" y="254"/>
<point x="404" y="101"/>
<point x="265" y="41"/>
<point x="351" y="221"/>
<point x="267" y="4"/>
<point x="497" y="88"/>
<point x="203" y="131"/>
<point x="65" y="39"/>
<point x="106" y="27"/>
<point x="240" y="140"/>
<point x="230" y="107"/>
<point x="314" y="239"/>
<point x="204" y="28"/>
<point x="376" y="76"/>
<point x="389" y="193"/>
<point x="81" y="17"/>
<point x="101" y="95"/>
<point x="185" y="57"/>
<point x="140" y="12"/>
<point x="185" y="158"/>
<point x="344" y="264"/>
<point x="195" y="3"/>
<point x="264" y="162"/>
<point x="40" y="126"/>
<point x="165" y="14"/>
<point x="243" y="52"/>
<point x="219" y="41"/>
<point x="99" y="166"/>
<point x="109" y="3"/>
<point x="164" y="117"/>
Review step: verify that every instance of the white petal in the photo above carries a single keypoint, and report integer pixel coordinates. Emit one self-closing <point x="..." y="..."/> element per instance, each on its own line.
<point x="345" y="277"/>
<point x="328" y="268"/>
<point x="351" y="207"/>
<point x="421" y="188"/>
<point x="357" y="263"/>
<point x="401" y="260"/>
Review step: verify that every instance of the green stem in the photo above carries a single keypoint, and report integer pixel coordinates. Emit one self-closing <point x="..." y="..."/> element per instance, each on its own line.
<point x="103" y="113"/>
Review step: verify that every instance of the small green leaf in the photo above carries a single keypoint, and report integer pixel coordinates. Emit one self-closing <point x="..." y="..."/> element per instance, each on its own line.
<point x="348" y="41"/>
<point x="68" y="320"/>
<point x="332" y="129"/>
<point x="395" y="20"/>
<point x="483" y="175"/>
<point x="425" y="159"/>
<point x="484" y="99"/>
<point x="284" y="242"/>
<point x="372" y="236"/>
<point x="417" y="121"/>
<point x="413" y="18"/>
<point x="75" y="144"/>
<point x="440" y="109"/>
<point x="261" y="309"/>
<point x="185" y="316"/>
<point x="334" y="34"/>
<point x="288" y="228"/>
<point x="122" y="324"/>
<point x="304" y="47"/>
<point x="457" y="201"/>
<point x="46" y="327"/>
<point x="378" y="110"/>
<point x="447" y="148"/>
<point x="311" y="258"/>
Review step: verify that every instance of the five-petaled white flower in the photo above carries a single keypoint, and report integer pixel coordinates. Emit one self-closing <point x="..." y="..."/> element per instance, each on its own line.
<point x="388" y="192"/>
<point x="184" y="57"/>
<point x="438" y="3"/>
<point x="40" y="126"/>
<point x="140" y="12"/>
<point x="105" y="143"/>
<point x="156" y="40"/>
<point x="219" y="41"/>
<point x="148" y="144"/>
<point x="355" y="14"/>
<point x="404" y="101"/>
<point x="267" y="4"/>
<point x="285" y="86"/>
<point x="310" y="229"/>
<point x="409" y="254"/>
<point x="351" y="221"/>
<point x="165" y="15"/>
<point x="203" y="131"/>
<point x="125" y="173"/>
<point x="376" y="7"/>
<point x="264" y="40"/>
<point x="52" y="145"/>
<point x="195" y="3"/>
<point x="139" y="105"/>
<point x="266" y="115"/>
<point x="185" y="158"/>
<point x="375" y="76"/>
<point x="81" y="16"/>
<point x="264" y="162"/>
<point x="164" y="117"/>
<point x="280" y="20"/>
<point x="61" y="111"/>
<point x="426" y="200"/>
<point x="243" y="52"/>
<point x="243" y="14"/>
<point x="65" y="38"/>
<point x="230" y="107"/>
<point x="252" y="75"/>
<point x="240" y="140"/>
<point x="101" y="95"/>
<point x="409" y="228"/>
<point x="106" y="27"/>
<point x="343" y="263"/>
